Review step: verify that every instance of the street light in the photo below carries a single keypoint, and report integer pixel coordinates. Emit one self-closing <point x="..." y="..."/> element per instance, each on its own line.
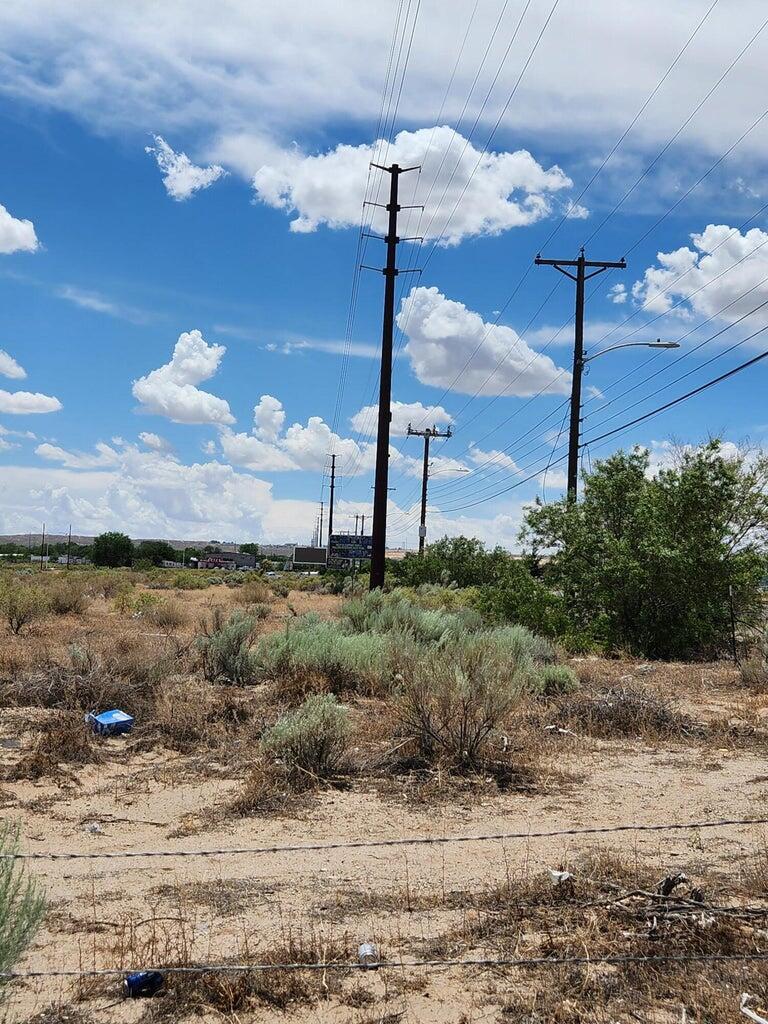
<point x="633" y="344"/>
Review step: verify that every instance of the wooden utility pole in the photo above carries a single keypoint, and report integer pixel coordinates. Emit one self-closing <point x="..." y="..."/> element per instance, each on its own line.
<point x="580" y="277"/>
<point x="427" y="434"/>
<point x="330" y="506"/>
<point x="390" y="271"/>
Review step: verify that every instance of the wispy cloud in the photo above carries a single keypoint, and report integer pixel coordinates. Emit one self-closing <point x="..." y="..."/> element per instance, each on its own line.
<point x="98" y="303"/>
<point x="289" y="344"/>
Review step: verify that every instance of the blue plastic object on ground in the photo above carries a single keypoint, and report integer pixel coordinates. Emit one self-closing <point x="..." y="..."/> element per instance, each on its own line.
<point x="109" y="723"/>
<point x="142" y="984"/>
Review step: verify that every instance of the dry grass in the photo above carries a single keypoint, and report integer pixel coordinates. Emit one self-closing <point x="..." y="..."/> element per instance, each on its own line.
<point x="625" y="710"/>
<point x="63" y="740"/>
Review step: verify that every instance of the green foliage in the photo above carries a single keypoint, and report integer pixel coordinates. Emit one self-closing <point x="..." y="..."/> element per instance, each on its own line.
<point x="312" y="739"/>
<point x="462" y="561"/>
<point x="517" y="596"/>
<point x="645" y="563"/>
<point x="376" y="612"/>
<point x="454" y="697"/>
<point x="112" y="549"/>
<point x="315" y="652"/>
<point x="557" y="679"/>
<point x="250" y="549"/>
<point x="22" y="904"/>
<point x="20" y="603"/>
<point x="68" y="595"/>
<point x="155" y="552"/>
<point x="225" y="648"/>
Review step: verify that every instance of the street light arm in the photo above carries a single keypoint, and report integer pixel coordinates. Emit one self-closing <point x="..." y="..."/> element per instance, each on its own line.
<point x="632" y="344"/>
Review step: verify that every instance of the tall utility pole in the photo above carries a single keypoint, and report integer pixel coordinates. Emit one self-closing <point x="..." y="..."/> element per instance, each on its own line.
<point x="379" y="540"/>
<point x="580" y="277"/>
<point x="357" y="520"/>
<point x="362" y="525"/>
<point x="320" y="535"/>
<point x="427" y="434"/>
<point x="330" y="506"/>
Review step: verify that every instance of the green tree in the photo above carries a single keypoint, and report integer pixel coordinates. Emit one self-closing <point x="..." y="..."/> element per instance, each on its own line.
<point x="460" y="560"/>
<point x="648" y="563"/>
<point x="156" y="551"/>
<point x="250" y="549"/>
<point x="112" y="549"/>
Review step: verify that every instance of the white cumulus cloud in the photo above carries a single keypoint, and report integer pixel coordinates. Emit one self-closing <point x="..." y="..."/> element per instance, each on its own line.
<point x="10" y="368"/>
<point x="465" y="192"/>
<point x="22" y="403"/>
<point x="419" y="416"/>
<point x="268" y="418"/>
<point x="722" y="266"/>
<point x="443" y="336"/>
<point x="495" y="457"/>
<point x="253" y="453"/>
<point x="181" y="177"/>
<point x="16" y="235"/>
<point x="155" y="442"/>
<point x="105" y="456"/>
<point x="172" y="391"/>
<point x="617" y="293"/>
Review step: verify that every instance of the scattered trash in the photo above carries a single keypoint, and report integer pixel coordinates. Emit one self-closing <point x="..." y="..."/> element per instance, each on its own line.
<point x="109" y="723"/>
<point x="10" y="743"/>
<point x="142" y="984"/>
<point x="645" y="669"/>
<point x="558" y="877"/>
<point x="94" y="828"/>
<point x="368" y="954"/>
<point x="558" y="729"/>
<point x="746" y="998"/>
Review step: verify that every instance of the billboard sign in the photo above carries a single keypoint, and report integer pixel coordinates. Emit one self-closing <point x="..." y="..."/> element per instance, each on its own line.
<point x="345" y="547"/>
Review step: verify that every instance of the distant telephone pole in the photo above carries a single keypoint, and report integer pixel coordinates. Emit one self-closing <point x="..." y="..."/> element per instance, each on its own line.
<point x="427" y="434"/>
<point x="330" y="506"/>
<point x="379" y="540"/>
<point x="320" y="535"/>
<point x="580" y="277"/>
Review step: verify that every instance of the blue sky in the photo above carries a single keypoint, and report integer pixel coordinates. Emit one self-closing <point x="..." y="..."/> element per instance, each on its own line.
<point x="232" y="242"/>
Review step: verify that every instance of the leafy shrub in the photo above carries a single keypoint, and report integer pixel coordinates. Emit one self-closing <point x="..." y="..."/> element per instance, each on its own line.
<point x="68" y="596"/>
<point x="312" y="739"/>
<point x="254" y="590"/>
<point x="22" y="904"/>
<point x="21" y="604"/>
<point x="225" y="647"/>
<point x="167" y="615"/>
<point x="191" y="579"/>
<point x="453" y="697"/>
<point x="377" y="612"/>
<point x="144" y="602"/>
<point x="312" y="651"/>
<point x="557" y="679"/>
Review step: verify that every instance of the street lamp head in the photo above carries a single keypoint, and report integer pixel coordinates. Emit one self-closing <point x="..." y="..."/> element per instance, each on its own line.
<point x="663" y="344"/>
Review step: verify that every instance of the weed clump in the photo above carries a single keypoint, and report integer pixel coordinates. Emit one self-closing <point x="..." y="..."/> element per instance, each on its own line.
<point x="555" y="680"/>
<point x="313" y="654"/>
<point x="454" y="697"/>
<point x="20" y="603"/>
<point x="312" y="740"/>
<point x="225" y="647"/>
<point x="626" y="710"/>
<point x="68" y="597"/>
<point x="64" y="739"/>
<point x="22" y="904"/>
<point x="382" y="613"/>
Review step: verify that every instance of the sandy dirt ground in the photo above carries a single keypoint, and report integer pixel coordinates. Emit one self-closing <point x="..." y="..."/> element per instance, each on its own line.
<point x="108" y="912"/>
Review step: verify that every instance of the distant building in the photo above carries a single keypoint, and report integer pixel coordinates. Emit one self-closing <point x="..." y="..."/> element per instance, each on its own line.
<point x="276" y="550"/>
<point x="226" y="560"/>
<point x="73" y="560"/>
<point x="166" y="564"/>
